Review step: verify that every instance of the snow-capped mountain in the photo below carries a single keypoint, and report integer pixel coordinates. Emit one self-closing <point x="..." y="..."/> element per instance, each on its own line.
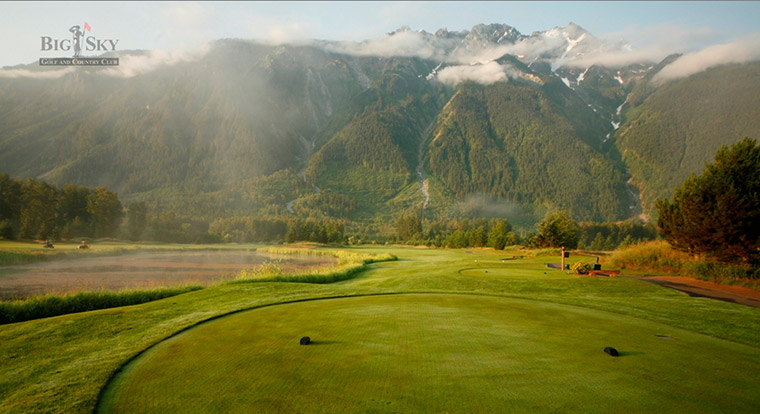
<point x="482" y="111"/>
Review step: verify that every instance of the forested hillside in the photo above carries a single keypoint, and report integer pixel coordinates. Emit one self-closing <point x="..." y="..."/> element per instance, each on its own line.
<point x="509" y="141"/>
<point x="375" y="149"/>
<point x="675" y="130"/>
<point x="243" y="110"/>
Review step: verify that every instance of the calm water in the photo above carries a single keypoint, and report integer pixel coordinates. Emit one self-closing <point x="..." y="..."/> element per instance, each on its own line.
<point x="141" y="270"/>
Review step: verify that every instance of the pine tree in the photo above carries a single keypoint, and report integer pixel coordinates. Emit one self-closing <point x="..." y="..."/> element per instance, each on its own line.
<point x="557" y="229"/>
<point x="718" y="213"/>
<point x="106" y="211"/>
<point x="497" y="237"/>
<point x="597" y="243"/>
<point x="137" y="216"/>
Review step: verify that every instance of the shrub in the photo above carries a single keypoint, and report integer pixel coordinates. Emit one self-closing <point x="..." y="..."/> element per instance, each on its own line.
<point x="581" y="268"/>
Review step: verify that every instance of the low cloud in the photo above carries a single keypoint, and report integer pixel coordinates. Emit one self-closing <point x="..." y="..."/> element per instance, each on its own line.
<point x="130" y="65"/>
<point x="743" y="50"/>
<point x="528" y="49"/>
<point x="483" y="205"/>
<point x="485" y="74"/>
<point x="35" y="74"/>
<point x="133" y="65"/>
<point x="666" y="38"/>
<point x="618" y="58"/>
<point x="402" y="44"/>
<point x="644" y="44"/>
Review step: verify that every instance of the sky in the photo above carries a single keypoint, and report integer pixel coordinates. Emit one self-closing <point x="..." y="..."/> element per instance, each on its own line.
<point x="170" y="26"/>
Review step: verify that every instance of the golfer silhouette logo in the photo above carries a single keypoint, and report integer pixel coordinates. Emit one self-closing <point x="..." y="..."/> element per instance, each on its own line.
<point x="77" y="36"/>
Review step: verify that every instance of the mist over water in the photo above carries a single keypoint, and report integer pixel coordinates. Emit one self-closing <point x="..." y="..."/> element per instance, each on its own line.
<point x="141" y="270"/>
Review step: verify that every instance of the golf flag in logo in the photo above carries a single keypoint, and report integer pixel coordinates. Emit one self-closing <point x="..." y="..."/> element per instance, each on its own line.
<point x="87" y="27"/>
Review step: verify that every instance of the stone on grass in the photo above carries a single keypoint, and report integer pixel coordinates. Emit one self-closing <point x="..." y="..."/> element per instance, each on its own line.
<point x="305" y="340"/>
<point x="611" y="351"/>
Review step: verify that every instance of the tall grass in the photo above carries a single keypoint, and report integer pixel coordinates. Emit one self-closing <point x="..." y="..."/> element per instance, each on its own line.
<point x="654" y="256"/>
<point x="659" y="256"/>
<point x="337" y="253"/>
<point x="9" y="257"/>
<point x="349" y="265"/>
<point x="12" y="257"/>
<point x="55" y="305"/>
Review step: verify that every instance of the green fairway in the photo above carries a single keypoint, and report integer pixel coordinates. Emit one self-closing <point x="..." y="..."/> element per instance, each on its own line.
<point x="436" y="353"/>
<point x="443" y="336"/>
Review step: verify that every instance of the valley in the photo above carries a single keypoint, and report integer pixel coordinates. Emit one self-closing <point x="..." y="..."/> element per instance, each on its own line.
<point x="379" y="207"/>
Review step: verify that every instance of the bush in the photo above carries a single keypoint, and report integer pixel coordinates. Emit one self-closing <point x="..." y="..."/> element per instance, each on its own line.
<point x="720" y="272"/>
<point x="581" y="268"/>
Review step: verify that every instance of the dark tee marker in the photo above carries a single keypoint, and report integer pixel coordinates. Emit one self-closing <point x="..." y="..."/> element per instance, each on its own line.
<point x="611" y="351"/>
<point x="305" y="340"/>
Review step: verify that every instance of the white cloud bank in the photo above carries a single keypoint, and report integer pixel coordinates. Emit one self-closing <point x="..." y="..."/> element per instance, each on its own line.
<point x="130" y="65"/>
<point x="477" y="62"/>
<point x="37" y="74"/>
<point x="486" y="74"/>
<point x="743" y="50"/>
<point x="402" y="44"/>
<point x="133" y="65"/>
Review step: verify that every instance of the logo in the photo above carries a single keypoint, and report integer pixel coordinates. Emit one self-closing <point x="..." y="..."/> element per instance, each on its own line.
<point x="78" y="42"/>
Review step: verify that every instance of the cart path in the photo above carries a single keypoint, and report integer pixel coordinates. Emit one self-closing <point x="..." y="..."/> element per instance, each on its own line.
<point x="701" y="288"/>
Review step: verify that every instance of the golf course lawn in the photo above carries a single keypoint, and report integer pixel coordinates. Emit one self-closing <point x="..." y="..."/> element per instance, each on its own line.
<point x="435" y="331"/>
<point x="435" y="353"/>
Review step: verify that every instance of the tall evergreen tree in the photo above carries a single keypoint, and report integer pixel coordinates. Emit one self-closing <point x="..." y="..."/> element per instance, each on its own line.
<point x="106" y="211"/>
<point x="38" y="209"/>
<point x="10" y="206"/>
<point x="497" y="237"/>
<point x="718" y="213"/>
<point x="137" y="218"/>
<point x="557" y="229"/>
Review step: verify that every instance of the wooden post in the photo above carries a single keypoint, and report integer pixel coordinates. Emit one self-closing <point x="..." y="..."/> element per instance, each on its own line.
<point x="563" y="257"/>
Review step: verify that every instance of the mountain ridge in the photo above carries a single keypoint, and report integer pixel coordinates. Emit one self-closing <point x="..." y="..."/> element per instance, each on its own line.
<point x="252" y="128"/>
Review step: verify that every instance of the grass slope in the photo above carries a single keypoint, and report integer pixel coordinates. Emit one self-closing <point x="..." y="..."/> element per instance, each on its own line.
<point x="434" y="353"/>
<point x="61" y="364"/>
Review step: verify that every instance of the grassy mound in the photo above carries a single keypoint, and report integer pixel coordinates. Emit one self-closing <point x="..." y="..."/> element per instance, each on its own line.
<point x="435" y="353"/>
<point x="62" y="364"/>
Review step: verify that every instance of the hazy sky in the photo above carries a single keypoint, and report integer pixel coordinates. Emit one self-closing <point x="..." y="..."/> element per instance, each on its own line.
<point x="681" y="26"/>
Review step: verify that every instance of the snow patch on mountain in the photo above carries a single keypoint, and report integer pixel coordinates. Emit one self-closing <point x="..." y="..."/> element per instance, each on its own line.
<point x="618" y="78"/>
<point x="582" y="76"/>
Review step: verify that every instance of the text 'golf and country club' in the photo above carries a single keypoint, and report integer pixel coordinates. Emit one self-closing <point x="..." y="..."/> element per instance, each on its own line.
<point x="80" y="41"/>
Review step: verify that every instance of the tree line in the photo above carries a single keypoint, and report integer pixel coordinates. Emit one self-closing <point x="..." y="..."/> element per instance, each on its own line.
<point x="35" y="209"/>
<point x="273" y="229"/>
<point x="496" y="233"/>
<point x="557" y="229"/>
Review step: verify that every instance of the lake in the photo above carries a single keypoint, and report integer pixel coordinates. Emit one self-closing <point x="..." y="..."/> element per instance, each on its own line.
<point x="141" y="270"/>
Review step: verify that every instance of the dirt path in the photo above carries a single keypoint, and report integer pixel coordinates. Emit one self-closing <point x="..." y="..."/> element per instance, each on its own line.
<point x="701" y="288"/>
